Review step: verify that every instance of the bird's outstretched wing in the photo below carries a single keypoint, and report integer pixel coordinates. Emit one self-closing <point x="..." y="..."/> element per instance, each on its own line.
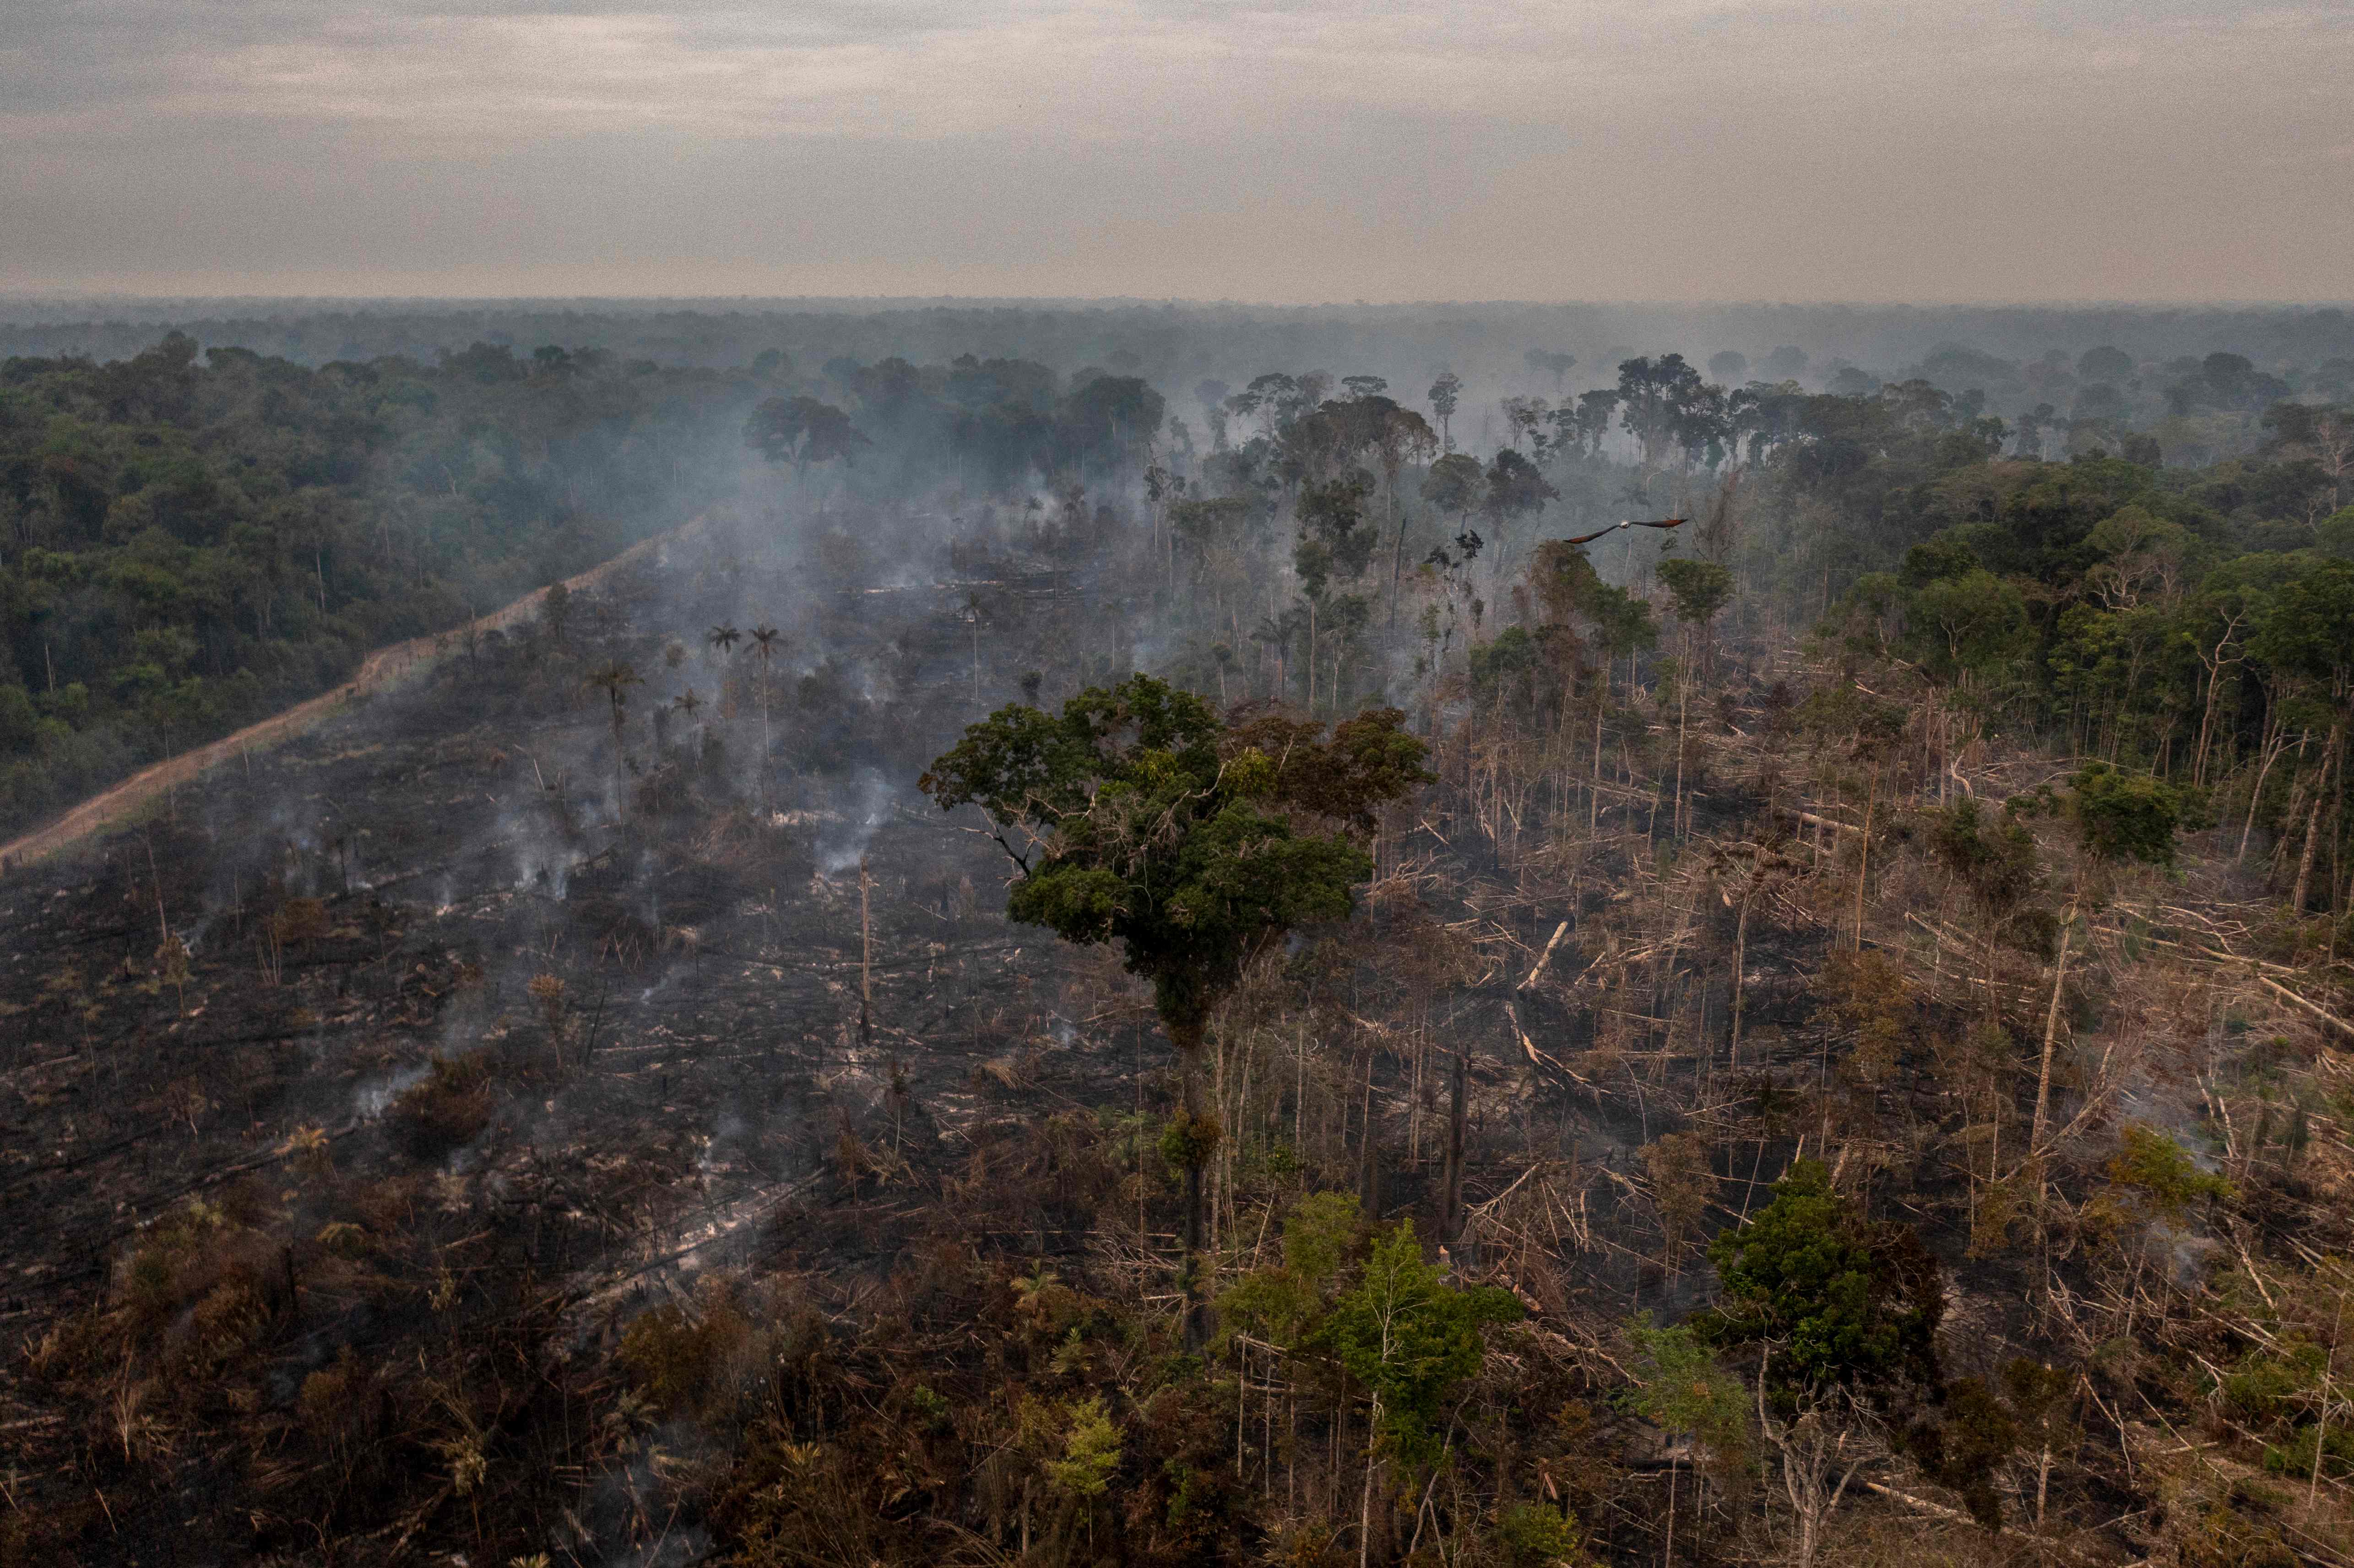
<point x="1589" y="538"/>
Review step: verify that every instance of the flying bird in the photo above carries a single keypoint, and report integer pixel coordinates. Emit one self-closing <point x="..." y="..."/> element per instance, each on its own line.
<point x="1631" y="523"/>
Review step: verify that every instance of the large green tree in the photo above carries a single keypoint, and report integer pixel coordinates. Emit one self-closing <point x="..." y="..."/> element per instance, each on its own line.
<point x="800" y="431"/>
<point x="1137" y="816"/>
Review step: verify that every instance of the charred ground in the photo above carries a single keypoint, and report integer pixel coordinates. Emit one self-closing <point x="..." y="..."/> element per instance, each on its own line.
<point x="510" y="1122"/>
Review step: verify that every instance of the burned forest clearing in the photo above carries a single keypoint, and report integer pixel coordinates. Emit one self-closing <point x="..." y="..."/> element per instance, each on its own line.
<point x="882" y="1028"/>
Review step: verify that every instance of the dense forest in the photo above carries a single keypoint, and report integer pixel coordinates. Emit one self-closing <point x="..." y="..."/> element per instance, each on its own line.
<point x="1811" y="1029"/>
<point x="191" y="544"/>
<point x="2011" y="353"/>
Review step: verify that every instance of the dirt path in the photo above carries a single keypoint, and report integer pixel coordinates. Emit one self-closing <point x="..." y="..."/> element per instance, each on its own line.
<point x="386" y="669"/>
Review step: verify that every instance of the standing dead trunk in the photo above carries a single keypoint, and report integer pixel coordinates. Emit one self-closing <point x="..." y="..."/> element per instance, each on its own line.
<point x="1668" y="1555"/>
<point x="1676" y="817"/>
<point x="1593" y="794"/>
<point x="1741" y="965"/>
<point x="1311" y="658"/>
<point x="2216" y="664"/>
<point x="1397" y="556"/>
<point x="2313" y="825"/>
<point x="1198" y="1138"/>
<point x="1820" y="1458"/>
<point x="2050" y="1037"/>
<point x="865" y="957"/>
<point x="2321" y="1423"/>
<point x="1450" y="1223"/>
<point x="1863" y="856"/>
<point x="2275" y="746"/>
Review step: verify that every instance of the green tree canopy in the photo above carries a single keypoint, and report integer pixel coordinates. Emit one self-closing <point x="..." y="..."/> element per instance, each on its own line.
<point x="1148" y="825"/>
<point x="1285" y="1305"/>
<point x="2307" y="628"/>
<point x="1993" y="858"/>
<point x="1681" y="1388"/>
<point x="1454" y="484"/>
<point x="1622" y="621"/>
<point x="1700" y="588"/>
<point x="800" y="431"/>
<point x="1837" y="1302"/>
<point x="2125" y="816"/>
<point x="1334" y="540"/>
<point x="1516" y="487"/>
<point x="1969" y="624"/>
<point x="1413" y="1339"/>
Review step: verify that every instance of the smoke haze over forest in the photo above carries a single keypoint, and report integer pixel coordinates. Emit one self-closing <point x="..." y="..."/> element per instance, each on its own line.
<point x="1039" y="875"/>
<point x="1166" y="784"/>
<point x="1171" y="343"/>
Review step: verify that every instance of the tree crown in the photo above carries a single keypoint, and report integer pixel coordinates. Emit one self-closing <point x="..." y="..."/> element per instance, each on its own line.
<point x="1837" y="1302"/>
<point x="1150" y="822"/>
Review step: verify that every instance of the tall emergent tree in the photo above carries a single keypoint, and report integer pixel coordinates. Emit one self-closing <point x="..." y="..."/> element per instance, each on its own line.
<point x="766" y="640"/>
<point x="1550" y="362"/>
<point x="800" y="431"/>
<point x="1137" y="816"/>
<point x="1446" y="393"/>
<point x="615" y="679"/>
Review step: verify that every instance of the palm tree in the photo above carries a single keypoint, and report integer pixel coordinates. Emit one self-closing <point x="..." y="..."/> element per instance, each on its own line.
<point x="723" y="638"/>
<point x="690" y="705"/>
<point x="615" y="681"/>
<point x="1275" y="632"/>
<point x="768" y="639"/>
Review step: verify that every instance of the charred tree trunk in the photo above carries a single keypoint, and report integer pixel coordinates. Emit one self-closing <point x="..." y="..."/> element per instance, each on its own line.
<point x="866" y="956"/>
<point x="1450" y="1214"/>
<point x="1197" y="1130"/>
<point x="1863" y="856"/>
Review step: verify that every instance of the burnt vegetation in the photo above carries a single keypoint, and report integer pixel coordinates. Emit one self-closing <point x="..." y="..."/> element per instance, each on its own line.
<point x="1046" y="984"/>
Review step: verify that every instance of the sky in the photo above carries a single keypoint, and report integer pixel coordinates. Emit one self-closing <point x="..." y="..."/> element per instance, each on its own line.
<point x="1288" y="151"/>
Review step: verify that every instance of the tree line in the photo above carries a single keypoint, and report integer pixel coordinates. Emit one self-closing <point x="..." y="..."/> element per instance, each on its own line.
<point x="190" y="541"/>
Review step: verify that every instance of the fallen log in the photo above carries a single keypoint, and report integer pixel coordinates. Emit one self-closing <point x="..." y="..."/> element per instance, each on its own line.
<point x="1545" y="957"/>
<point x="2313" y="1007"/>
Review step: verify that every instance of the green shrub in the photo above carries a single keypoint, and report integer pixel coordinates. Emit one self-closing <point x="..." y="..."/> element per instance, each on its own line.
<point x="1533" y="1535"/>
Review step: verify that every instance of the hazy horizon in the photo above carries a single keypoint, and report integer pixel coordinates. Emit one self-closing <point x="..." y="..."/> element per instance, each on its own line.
<point x="1323" y="151"/>
<point x="653" y="301"/>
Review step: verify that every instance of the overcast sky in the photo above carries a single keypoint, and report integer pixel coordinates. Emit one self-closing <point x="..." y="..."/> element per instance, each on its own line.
<point x="1294" y="150"/>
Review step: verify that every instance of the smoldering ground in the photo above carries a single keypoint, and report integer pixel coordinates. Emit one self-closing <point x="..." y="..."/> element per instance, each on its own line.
<point x="502" y="998"/>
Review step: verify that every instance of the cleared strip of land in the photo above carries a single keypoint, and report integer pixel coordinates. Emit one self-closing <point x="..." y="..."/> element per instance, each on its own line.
<point x="386" y="669"/>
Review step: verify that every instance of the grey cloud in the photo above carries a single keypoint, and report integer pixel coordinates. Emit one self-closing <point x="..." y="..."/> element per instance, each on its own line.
<point x="1307" y="149"/>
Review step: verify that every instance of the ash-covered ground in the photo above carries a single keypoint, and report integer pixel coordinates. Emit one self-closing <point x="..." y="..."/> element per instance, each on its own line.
<point x="619" y="990"/>
<point x="619" y="950"/>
